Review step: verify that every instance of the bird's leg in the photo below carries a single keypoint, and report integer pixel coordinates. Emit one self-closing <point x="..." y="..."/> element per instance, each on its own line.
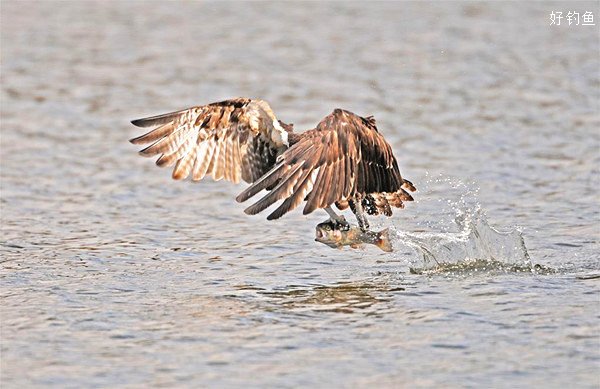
<point x="358" y="210"/>
<point x="339" y="221"/>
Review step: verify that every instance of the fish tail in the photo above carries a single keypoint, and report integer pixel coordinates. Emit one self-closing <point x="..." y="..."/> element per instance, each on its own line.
<point x="383" y="241"/>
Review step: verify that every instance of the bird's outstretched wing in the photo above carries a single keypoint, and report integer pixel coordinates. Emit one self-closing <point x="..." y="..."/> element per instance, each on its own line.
<point x="232" y="139"/>
<point x="343" y="158"/>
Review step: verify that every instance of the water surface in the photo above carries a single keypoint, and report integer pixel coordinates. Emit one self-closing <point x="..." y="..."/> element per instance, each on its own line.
<point x="114" y="275"/>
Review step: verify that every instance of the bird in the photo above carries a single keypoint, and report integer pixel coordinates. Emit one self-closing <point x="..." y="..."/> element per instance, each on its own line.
<point x="343" y="161"/>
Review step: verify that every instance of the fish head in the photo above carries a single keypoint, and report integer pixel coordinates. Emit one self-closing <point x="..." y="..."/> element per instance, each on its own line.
<point x="333" y="235"/>
<point x="328" y="234"/>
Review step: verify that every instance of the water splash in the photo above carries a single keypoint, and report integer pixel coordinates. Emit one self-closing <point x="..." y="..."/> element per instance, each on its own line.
<point x="460" y="239"/>
<point x="476" y="246"/>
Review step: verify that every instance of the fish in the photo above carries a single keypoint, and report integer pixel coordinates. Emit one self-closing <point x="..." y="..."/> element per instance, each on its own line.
<point x="335" y="236"/>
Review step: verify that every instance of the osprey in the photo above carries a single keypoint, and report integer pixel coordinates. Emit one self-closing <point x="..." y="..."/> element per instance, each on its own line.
<point x="344" y="160"/>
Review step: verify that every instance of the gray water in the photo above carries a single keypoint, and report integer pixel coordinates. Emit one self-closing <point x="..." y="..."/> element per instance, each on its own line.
<point x="113" y="275"/>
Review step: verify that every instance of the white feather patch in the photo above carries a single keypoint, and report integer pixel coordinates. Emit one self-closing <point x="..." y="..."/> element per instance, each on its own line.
<point x="279" y="135"/>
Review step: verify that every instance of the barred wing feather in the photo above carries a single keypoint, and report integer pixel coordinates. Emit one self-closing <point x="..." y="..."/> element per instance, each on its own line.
<point x="342" y="159"/>
<point x="232" y="139"/>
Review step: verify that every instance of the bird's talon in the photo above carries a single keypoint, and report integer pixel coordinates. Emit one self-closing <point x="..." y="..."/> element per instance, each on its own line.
<point x="343" y="225"/>
<point x="364" y="226"/>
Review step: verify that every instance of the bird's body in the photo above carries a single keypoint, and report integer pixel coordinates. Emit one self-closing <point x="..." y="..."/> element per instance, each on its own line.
<point x="344" y="160"/>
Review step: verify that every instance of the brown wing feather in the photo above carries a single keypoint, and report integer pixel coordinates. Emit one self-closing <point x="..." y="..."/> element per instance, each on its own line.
<point x="344" y="156"/>
<point x="302" y="187"/>
<point x="232" y="139"/>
